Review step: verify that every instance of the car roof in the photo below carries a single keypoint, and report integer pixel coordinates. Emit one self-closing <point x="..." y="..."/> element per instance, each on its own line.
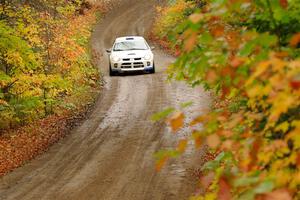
<point x="130" y="38"/>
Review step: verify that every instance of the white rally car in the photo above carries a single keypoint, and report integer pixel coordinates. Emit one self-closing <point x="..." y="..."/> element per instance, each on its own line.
<point x="130" y="54"/>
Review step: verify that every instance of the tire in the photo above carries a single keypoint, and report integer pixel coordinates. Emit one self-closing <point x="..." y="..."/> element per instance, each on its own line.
<point x="153" y="69"/>
<point x="111" y="72"/>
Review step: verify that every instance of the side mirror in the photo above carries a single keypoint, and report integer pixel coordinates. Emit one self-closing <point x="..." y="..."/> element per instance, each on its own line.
<point x="108" y="50"/>
<point x="152" y="48"/>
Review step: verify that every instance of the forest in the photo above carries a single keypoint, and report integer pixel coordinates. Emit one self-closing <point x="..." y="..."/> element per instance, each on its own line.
<point x="48" y="79"/>
<point x="45" y="65"/>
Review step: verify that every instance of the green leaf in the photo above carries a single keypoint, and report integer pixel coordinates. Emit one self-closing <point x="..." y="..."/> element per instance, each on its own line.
<point x="264" y="187"/>
<point x="247" y="49"/>
<point x="248" y="195"/>
<point x="245" y="181"/>
<point x="223" y="156"/>
<point x="161" y="115"/>
<point x="166" y="153"/>
<point x="211" y="165"/>
<point x="186" y="104"/>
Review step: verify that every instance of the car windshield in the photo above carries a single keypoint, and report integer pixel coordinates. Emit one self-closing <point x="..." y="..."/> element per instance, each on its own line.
<point x="130" y="45"/>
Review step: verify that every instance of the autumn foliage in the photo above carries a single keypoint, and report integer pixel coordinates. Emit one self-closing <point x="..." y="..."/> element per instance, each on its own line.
<point x="247" y="53"/>
<point x="45" y="65"/>
<point x="47" y="78"/>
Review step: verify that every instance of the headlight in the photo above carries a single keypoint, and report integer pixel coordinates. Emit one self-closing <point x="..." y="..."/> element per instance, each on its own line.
<point x="115" y="58"/>
<point x="147" y="57"/>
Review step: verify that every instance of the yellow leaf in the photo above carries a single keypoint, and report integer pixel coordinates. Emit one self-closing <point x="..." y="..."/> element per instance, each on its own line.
<point x="159" y="9"/>
<point x="295" y="136"/>
<point x="284" y="127"/>
<point x="255" y="91"/>
<point x="182" y="145"/>
<point x="261" y="68"/>
<point x="281" y="104"/>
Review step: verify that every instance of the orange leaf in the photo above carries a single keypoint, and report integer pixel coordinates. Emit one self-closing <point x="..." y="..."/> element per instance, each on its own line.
<point x="280" y="194"/>
<point x="213" y="141"/>
<point x="211" y="76"/>
<point x="198" y="142"/>
<point x="196" y="17"/>
<point x="253" y="153"/>
<point x="282" y="54"/>
<point x="236" y="62"/>
<point x="3" y="102"/>
<point x="176" y="121"/>
<point x="161" y="163"/>
<point x="190" y="42"/>
<point x="197" y="139"/>
<point x="227" y="145"/>
<point x="197" y="120"/>
<point x="295" y="40"/>
<point x="217" y="30"/>
<point x="182" y="146"/>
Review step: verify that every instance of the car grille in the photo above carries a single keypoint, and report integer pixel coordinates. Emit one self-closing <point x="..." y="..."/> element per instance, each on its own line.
<point x="130" y="63"/>
<point x="138" y="64"/>
<point x="126" y="65"/>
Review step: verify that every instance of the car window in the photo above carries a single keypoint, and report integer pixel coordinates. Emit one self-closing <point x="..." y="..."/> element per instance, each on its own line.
<point x="130" y="45"/>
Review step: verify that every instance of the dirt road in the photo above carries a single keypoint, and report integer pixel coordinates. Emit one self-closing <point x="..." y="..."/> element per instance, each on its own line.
<point x="110" y="156"/>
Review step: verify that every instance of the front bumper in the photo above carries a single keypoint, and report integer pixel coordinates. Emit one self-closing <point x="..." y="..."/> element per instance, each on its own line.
<point x="132" y="64"/>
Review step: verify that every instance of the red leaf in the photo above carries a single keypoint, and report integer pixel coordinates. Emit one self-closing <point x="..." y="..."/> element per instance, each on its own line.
<point x="295" y="84"/>
<point x="224" y="191"/>
<point x="254" y="151"/>
<point x="298" y="160"/>
<point x="207" y="180"/>
<point x="284" y="3"/>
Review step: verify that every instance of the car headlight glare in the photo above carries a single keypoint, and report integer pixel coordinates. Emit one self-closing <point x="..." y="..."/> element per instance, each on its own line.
<point x="115" y="59"/>
<point x="147" y="57"/>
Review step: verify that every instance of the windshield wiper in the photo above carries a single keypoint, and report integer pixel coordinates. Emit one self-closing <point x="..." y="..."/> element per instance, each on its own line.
<point x="137" y="49"/>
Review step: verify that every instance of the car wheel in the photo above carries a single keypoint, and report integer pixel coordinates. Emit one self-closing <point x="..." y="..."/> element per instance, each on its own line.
<point x="153" y="69"/>
<point x="111" y="72"/>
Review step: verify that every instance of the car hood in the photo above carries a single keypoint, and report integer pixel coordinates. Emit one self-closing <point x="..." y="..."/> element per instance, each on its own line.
<point x="131" y="54"/>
